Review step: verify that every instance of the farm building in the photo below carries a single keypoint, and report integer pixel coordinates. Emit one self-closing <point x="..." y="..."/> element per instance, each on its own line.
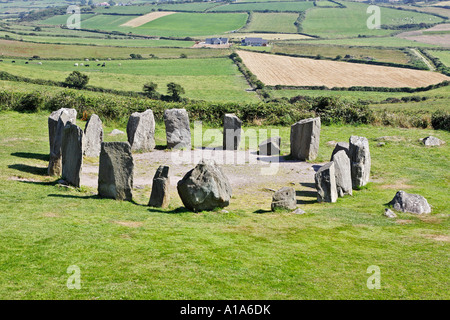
<point x="255" y="42"/>
<point x="216" y="41"/>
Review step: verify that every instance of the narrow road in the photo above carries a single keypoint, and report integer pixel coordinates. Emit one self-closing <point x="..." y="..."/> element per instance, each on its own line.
<point x="425" y="60"/>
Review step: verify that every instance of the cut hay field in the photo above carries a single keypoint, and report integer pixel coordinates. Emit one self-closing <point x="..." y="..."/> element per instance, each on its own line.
<point x="139" y="21"/>
<point x="216" y="79"/>
<point x="351" y="21"/>
<point x="27" y="49"/>
<point x="279" y="70"/>
<point x="272" y="22"/>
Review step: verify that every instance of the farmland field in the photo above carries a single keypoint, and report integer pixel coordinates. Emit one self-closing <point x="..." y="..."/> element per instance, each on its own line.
<point x="277" y="70"/>
<point x="444" y="56"/>
<point x="273" y="6"/>
<point x="196" y="6"/>
<point x="272" y="22"/>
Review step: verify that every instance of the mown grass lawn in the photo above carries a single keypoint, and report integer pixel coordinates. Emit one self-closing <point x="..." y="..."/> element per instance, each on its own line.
<point x="128" y="251"/>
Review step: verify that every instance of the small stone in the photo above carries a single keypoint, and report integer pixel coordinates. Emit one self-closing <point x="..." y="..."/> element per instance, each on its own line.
<point x="284" y="199"/>
<point x="409" y="202"/>
<point x="389" y="213"/>
<point x="298" y="211"/>
<point x="116" y="132"/>
<point x="431" y="141"/>
<point x="160" y="196"/>
<point x="381" y="144"/>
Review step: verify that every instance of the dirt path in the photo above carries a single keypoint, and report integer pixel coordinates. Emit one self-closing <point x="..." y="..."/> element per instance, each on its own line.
<point x="425" y="60"/>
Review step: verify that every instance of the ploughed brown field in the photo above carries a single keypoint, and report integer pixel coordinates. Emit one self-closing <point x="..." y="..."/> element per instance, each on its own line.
<point x="289" y="71"/>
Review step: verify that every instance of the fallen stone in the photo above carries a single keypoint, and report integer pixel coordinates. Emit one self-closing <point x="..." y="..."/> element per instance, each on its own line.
<point x="360" y="161"/>
<point x="343" y="173"/>
<point x="232" y="128"/>
<point x="72" y="154"/>
<point x="178" y="131"/>
<point x="270" y="147"/>
<point x="160" y="196"/>
<point x="389" y="213"/>
<point x="56" y="123"/>
<point x="305" y="136"/>
<point x="115" y="177"/>
<point x="325" y="180"/>
<point x="284" y="199"/>
<point x="141" y="131"/>
<point x="298" y="211"/>
<point x="93" y="137"/>
<point x="116" y="132"/>
<point x="205" y="187"/>
<point x="431" y="141"/>
<point x="340" y="146"/>
<point x="409" y="202"/>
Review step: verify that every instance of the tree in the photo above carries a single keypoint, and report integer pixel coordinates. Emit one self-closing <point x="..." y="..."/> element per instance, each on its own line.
<point x="150" y="90"/>
<point x="37" y="29"/>
<point x="76" y="80"/>
<point x="183" y="56"/>
<point x="174" y="90"/>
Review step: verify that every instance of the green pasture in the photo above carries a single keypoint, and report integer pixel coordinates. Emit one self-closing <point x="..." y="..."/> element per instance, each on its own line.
<point x="269" y="6"/>
<point x="272" y="22"/>
<point x="444" y="56"/>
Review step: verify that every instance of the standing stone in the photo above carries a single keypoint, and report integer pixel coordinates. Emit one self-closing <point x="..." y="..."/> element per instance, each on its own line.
<point x="284" y="199"/>
<point x="231" y="132"/>
<point x="359" y="160"/>
<point x="93" y="137"/>
<point x="178" y="132"/>
<point x="115" y="177"/>
<point x="72" y="154"/>
<point x="305" y="137"/>
<point x="270" y="147"/>
<point x="56" y="123"/>
<point x="325" y="179"/>
<point x="343" y="173"/>
<point x="160" y="196"/>
<point x="141" y="131"/>
<point x="340" y="146"/>
<point x="412" y="203"/>
<point x="431" y="141"/>
<point x="389" y="213"/>
<point x="205" y="187"/>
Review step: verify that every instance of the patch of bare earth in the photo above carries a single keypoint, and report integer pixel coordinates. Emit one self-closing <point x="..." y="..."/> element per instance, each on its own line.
<point x="51" y="215"/>
<point x="139" y="21"/>
<point x="437" y="237"/>
<point x="130" y="224"/>
<point x="290" y="71"/>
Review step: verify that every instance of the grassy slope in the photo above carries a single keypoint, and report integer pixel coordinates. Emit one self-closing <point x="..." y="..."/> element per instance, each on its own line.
<point x="167" y="254"/>
<point x="203" y="79"/>
<point x="444" y="56"/>
<point x="272" y="22"/>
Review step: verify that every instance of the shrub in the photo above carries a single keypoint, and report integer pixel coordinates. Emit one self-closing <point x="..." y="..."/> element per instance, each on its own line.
<point x="441" y="120"/>
<point x="174" y="90"/>
<point x="76" y="80"/>
<point x="150" y="90"/>
<point x="30" y="102"/>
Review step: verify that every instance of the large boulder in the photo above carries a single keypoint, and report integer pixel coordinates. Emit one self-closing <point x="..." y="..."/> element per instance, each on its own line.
<point x="160" y="195"/>
<point x="72" y="154"/>
<point x="115" y="177"/>
<point x="359" y="160"/>
<point x="205" y="187"/>
<point x="178" y="132"/>
<point x="340" y="146"/>
<point x="93" y="137"/>
<point x="325" y="180"/>
<point x="305" y="137"/>
<point x="141" y="131"/>
<point x="56" y="123"/>
<point x="284" y="199"/>
<point x="232" y="128"/>
<point x="343" y="173"/>
<point x="270" y="147"/>
<point x="409" y="202"/>
<point x="431" y="141"/>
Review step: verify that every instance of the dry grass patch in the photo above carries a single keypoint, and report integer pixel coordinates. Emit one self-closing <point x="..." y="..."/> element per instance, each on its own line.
<point x="437" y="237"/>
<point x="130" y="224"/>
<point x="139" y="21"/>
<point x="280" y="70"/>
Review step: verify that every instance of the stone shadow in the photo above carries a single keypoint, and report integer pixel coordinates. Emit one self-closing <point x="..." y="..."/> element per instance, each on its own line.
<point x="31" y="155"/>
<point x="174" y="211"/>
<point x="29" y="169"/>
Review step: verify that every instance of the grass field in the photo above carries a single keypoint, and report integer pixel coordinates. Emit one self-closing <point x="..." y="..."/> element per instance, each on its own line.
<point x="196" y="6"/>
<point x="272" y="22"/>
<point x="444" y="56"/>
<point x="372" y="42"/>
<point x="203" y="79"/>
<point x="28" y="49"/>
<point x="271" y="6"/>
<point x="351" y="21"/>
<point x="128" y="251"/>
<point x="280" y="70"/>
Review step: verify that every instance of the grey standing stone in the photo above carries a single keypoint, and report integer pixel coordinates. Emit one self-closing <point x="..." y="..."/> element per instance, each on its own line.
<point x="360" y="161"/>
<point x="160" y="195"/>
<point x="115" y="177"/>
<point x="270" y="147"/>
<point x="178" y="132"/>
<point x="409" y="202"/>
<point x="343" y="173"/>
<point x="284" y="199"/>
<point x="431" y="141"/>
<point x="93" y="137"/>
<point x="232" y="129"/>
<point x="56" y="123"/>
<point x="340" y="146"/>
<point x="141" y="131"/>
<point x="305" y="137"/>
<point x="389" y="213"/>
<point x="72" y="154"/>
<point x="205" y="187"/>
<point x="325" y="180"/>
